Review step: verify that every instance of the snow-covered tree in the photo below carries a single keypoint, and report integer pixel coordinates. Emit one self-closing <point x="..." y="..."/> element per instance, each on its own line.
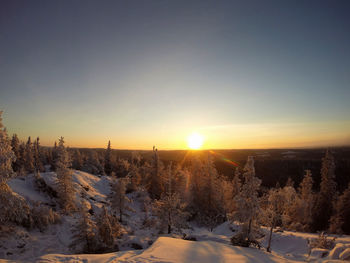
<point x="341" y="218"/>
<point x="170" y="209"/>
<point x="108" y="230"/>
<point x="273" y="211"/>
<point x="29" y="156"/>
<point x="7" y="157"/>
<point x="78" y="161"/>
<point x="108" y="160"/>
<point x="84" y="238"/>
<point x="64" y="175"/>
<point x="325" y="198"/>
<point x="93" y="164"/>
<point x="232" y="190"/>
<point x="38" y="165"/>
<point x="119" y="200"/>
<point x="12" y="206"/>
<point x="248" y="202"/>
<point x="15" y="144"/>
<point x="154" y="178"/>
<point x="212" y="209"/>
<point x="306" y="201"/>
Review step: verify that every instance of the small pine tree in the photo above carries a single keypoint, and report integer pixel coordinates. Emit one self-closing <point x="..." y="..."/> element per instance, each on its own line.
<point x="108" y="160"/>
<point x="64" y="176"/>
<point x="170" y="209"/>
<point x="108" y="230"/>
<point x="38" y="165"/>
<point x="119" y="200"/>
<point x="29" y="156"/>
<point x="84" y="238"/>
<point x="233" y="192"/>
<point x="248" y="202"/>
<point x="7" y="157"/>
<point x="324" y="202"/>
<point x="78" y="161"/>
<point x="272" y="214"/>
<point x="154" y="180"/>
<point x="15" y="144"/>
<point x="341" y="218"/>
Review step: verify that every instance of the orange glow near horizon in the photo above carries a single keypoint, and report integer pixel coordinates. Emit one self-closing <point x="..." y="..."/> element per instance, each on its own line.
<point x="195" y="141"/>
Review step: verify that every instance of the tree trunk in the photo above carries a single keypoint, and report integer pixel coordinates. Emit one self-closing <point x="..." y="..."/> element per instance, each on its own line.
<point x="270" y="237"/>
<point x="249" y="229"/>
<point x="169" y="223"/>
<point x="120" y="215"/>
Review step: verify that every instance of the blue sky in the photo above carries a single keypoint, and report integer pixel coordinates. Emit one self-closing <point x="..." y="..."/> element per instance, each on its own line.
<point x="246" y="74"/>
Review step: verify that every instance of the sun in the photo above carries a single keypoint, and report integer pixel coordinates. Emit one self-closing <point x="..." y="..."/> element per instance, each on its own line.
<point x="195" y="141"/>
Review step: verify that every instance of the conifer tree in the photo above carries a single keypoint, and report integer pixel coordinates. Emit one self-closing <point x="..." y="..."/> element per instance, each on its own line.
<point x="15" y="143"/>
<point x="12" y="207"/>
<point x="108" y="160"/>
<point x="154" y="180"/>
<point x="212" y="209"/>
<point x="248" y="201"/>
<point x="119" y="200"/>
<point x="272" y="214"/>
<point x="307" y="200"/>
<point x="29" y="157"/>
<point x="7" y="157"/>
<point x="325" y="198"/>
<point x="233" y="191"/>
<point x="170" y="209"/>
<point x="77" y="160"/>
<point x="64" y="176"/>
<point x="108" y="229"/>
<point x="84" y="237"/>
<point x="341" y="218"/>
<point x="38" y="165"/>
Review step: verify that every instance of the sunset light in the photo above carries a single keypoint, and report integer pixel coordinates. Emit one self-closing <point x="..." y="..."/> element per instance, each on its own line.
<point x="195" y="141"/>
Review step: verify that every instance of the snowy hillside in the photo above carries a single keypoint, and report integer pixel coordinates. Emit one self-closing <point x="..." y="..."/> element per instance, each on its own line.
<point x="169" y="250"/>
<point x="52" y="244"/>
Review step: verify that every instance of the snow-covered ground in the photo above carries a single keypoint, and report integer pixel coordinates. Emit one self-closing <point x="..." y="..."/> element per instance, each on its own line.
<point x="19" y="244"/>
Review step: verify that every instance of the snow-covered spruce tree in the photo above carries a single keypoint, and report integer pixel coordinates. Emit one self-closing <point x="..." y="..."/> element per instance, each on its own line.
<point x="154" y="179"/>
<point x="93" y="164"/>
<point x="290" y="198"/>
<point x="248" y="205"/>
<point x="273" y="211"/>
<point x="134" y="177"/>
<point x="13" y="208"/>
<point x="119" y="200"/>
<point x="78" y="161"/>
<point x="324" y="199"/>
<point x="38" y="165"/>
<point x="29" y="156"/>
<point x="170" y="209"/>
<point x="7" y="156"/>
<point x="341" y="218"/>
<point x="306" y="201"/>
<point x="212" y="210"/>
<point x="15" y="144"/>
<point x="108" y="160"/>
<point x="232" y="191"/>
<point x="65" y="187"/>
<point x="84" y="238"/>
<point x="53" y="157"/>
<point x="108" y="229"/>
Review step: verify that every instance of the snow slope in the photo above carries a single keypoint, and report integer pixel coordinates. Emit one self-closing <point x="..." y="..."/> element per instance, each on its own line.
<point x="169" y="250"/>
<point x="51" y="245"/>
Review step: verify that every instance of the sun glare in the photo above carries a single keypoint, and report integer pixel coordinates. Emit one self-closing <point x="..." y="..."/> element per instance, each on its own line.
<point x="195" y="141"/>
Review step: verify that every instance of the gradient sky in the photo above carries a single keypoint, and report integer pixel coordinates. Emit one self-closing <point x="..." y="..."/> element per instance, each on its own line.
<point x="245" y="74"/>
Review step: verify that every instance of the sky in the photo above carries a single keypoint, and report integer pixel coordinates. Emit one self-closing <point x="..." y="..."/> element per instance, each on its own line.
<point x="244" y="74"/>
